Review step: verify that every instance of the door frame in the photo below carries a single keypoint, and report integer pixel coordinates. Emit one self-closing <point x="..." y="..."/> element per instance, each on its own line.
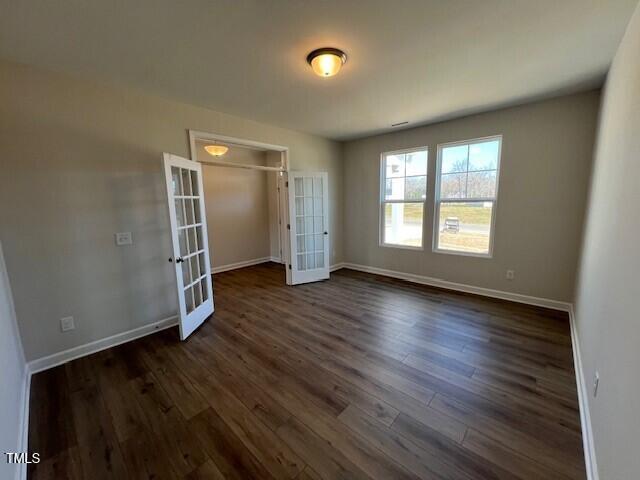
<point x="283" y="169"/>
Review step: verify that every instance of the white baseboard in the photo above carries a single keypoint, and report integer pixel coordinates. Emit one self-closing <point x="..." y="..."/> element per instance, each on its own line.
<point x="275" y="260"/>
<point x="461" y="287"/>
<point x="583" y="396"/>
<point x="65" y="356"/>
<point x="336" y="266"/>
<point x="246" y="263"/>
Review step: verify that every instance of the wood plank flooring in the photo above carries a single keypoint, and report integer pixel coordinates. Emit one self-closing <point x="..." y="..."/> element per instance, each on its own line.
<point x="356" y="377"/>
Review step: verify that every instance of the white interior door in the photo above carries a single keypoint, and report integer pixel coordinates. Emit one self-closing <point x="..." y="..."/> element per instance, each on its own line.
<point x="309" y="226"/>
<point x="190" y="241"/>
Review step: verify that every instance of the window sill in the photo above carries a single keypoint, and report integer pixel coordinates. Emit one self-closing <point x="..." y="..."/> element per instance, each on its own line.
<point x="402" y="247"/>
<point x="463" y="254"/>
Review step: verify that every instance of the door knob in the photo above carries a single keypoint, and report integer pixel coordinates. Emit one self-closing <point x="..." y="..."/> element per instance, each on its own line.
<point x="179" y="260"/>
<point x="326" y="233"/>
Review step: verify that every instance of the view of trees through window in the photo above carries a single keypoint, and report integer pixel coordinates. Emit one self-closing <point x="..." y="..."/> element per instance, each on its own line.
<point x="466" y="196"/>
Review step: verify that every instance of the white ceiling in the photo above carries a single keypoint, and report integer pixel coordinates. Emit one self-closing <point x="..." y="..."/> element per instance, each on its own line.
<point x="417" y="61"/>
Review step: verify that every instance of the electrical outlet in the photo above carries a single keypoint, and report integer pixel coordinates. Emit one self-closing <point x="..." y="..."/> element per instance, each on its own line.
<point x="67" y="324"/>
<point x="124" y="238"/>
<point x="511" y="274"/>
<point x="596" y="382"/>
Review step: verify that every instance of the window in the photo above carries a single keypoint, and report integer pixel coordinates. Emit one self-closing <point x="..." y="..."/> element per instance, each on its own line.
<point x="403" y="193"/>
<point x="466" y="193"/>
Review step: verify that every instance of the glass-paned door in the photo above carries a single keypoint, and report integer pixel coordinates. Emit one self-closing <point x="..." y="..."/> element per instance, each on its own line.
<point x="308" y="207"/>
<point x="190" y="245"/>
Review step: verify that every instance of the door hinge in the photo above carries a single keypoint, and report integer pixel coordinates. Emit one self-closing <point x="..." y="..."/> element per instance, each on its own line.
<point x="286" y="184"/>
<point x="288" y="226"/>
<point x="289" y="266"/>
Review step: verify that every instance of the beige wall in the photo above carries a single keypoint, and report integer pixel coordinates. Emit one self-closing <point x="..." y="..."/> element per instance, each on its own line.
<point x="79" y="161"/>
<point x="545" y="166"/>
<point x="608" y="293"/>
<point x="237" y="206"/>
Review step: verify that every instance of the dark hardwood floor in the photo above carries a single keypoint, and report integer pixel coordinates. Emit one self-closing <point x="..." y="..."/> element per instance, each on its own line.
<point x="357" y="377"/>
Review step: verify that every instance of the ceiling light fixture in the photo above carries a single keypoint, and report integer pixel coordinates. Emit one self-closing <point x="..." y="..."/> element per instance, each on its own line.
<point x="326" y="62"/>
<point x="216" y="150"/>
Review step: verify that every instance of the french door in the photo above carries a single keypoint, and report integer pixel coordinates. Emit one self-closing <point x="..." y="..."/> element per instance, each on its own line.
<point x="190" y="241"/>
<point x="309" y="226"/>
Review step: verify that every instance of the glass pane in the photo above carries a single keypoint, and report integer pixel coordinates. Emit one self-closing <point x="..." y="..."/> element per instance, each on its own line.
<point x="308" y="186"/>
<point x="317" y="206"/>
<point x="308" y="206"/>
<point x="205" y="292"/>
<point x="302" y="262"/>
<point x="186" y="275"/>
<point x="299" y="206"/>
<point x="308" y="224"/>
<point x="195" y="268"/>
<point x="182" y="240"/>
<point x="453" y="185"/>
<point x="319" y="260"/>
<point x="308" y="243"/>
<point x="311" y="261"/>
<point x="188" y="207"/>
<point x="300" y="225"/>
<point x="194" y="183"/>
<point x="191" y="238"/>
<point x="416" y="188"/>
<point x="299" y="188"/>
<point x="199" y="243"/>
<point x="319" y="243"/>
<point x="317" y="187"/>
<point x="197" y="295"/>
<point x="465" y="227"/>
<point x="416" y="163"/>
<point x="394" y="189"/>
<point x="202" y="264"/>
<point x="188" y="298"/>
<point x="318" y="224"/>
<point x="179" y="212"/>
<point x="175" y="180"/>
<point x="197" y="218"/>
<point x="484" y="156"/>
<point x="300" y="243"/>
<point x="186" y="181"/>
<point x="454" y="159"/>
<point x="481" y="184"/>
<point x="394" y="166"/>
<point x="403" y="224"/>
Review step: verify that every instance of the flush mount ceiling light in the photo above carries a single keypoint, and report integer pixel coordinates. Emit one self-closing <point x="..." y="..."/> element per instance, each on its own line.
<point x="216" y="150"/>
<point x="326" y="62"/>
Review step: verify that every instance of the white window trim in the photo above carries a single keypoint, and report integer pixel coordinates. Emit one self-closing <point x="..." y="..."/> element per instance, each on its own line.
<point x="438" y="201"/>
<point x="382" y="201"/>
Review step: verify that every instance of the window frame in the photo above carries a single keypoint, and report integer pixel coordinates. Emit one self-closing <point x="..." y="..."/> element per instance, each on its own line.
<point x="438" y="200"/>
<point x="382" y="202"/>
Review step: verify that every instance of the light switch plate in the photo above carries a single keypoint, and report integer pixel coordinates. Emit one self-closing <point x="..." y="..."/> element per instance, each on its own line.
<point x="124" y="238"/>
